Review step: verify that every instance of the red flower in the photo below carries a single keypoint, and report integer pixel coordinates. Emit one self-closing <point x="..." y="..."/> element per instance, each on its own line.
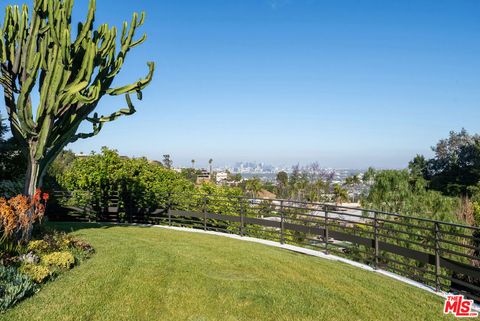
<point x="37" y="195"/>
<point x="45" y="196"/>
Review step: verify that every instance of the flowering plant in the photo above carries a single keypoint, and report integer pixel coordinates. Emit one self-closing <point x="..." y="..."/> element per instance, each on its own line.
<point x="18" y="214"/>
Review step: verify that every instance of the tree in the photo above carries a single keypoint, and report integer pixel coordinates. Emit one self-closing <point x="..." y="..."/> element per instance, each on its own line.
<point x="253" y="185"/>
<point x="351" y="183"/>
<point x="235" y="177"/>
<point x="193" y="164"/>
<point x="401" y="192"/>
<point x="295" y="176"/>
<point x="418" y="166"/>
<point x="210" y="162"/>
<point x="167" y="162"/>
<point x="456" y="165"/>
<point x="300" y="186"/>
<point x="12" y="165"/>
<point x="398" y="191"/>
<point x="190" y="174"/>
<point x="340" y="194"/>
<point x="282" y="178"/>
<point x="71" y="75"/>
<point x="57" y="168"/>
<point x="369" y="176"/>
<point x="282" y="184"/>
<point x="137" y="180"/>
<point x="12" y="161"/>
<point x="3" y="130"/>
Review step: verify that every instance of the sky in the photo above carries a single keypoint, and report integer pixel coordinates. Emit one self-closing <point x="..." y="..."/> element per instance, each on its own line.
<point x="346" y="83"/>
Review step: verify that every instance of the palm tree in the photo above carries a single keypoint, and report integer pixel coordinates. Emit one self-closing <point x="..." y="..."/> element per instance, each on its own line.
<point x="353" y="180"/>
<point x="193" y="163"/>
<point x="254" y="186"/>
<point x="300" y="186"/>
<point x="210" y="161"/>
<point x="351" y="183"/>
<point x="340" y="194"/>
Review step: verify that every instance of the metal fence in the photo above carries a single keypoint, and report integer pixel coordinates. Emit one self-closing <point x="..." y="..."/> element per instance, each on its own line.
<point x="442" y="255"/>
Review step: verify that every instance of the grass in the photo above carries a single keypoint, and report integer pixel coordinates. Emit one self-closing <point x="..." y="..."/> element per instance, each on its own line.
<point x="141" y="273"/>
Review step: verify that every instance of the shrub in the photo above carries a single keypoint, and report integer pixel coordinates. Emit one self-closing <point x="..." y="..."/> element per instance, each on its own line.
<point x="140" y="183"/>
<point x="8" y="249"/>
<point x="29" y="258"/>
<point x="11" y="188"/>
<point x="18" y="214"/>
<point x="64" y="241"/>
<point x="83" y="246"/>
<point x="57" y="241"/>
<point x="14" y="286"/>
<point x="63" y="259"/>
<point x="39" y="246"/>
<point x="38" y="273"/>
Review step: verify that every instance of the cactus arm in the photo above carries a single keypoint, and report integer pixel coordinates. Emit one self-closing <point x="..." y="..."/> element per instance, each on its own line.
<point x="24" y="102"/>
<point x="97" y="127"/>
<point x="83" y="32"/>
<point x="12" y="114"/>
<point x="22" y="34"/>
<point x="130" y="110"/>
<point x="98" y="122"/>
<point x="138" y="86"/>
<point x="51" y="10"/>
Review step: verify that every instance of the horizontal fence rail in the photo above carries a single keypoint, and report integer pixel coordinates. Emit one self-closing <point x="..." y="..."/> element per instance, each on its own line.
<point x="445" y="256"/>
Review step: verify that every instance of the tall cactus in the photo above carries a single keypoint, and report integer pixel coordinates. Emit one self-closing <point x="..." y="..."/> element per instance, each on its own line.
<point x="71" y="75"/>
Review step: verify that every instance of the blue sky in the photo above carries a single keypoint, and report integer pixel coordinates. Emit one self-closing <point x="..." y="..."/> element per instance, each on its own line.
<point x="345" y="83"/>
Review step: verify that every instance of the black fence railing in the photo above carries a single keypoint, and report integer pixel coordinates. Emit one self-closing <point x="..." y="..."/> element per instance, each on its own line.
<point x="445" y="256"/>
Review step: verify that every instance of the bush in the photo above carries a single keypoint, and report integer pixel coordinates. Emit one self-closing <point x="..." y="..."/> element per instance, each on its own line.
<point x="141" y="184"/>
<point x="10" y="188"/>
<point x="63" y="259"/>
<point x="14" y="286"/>
<point x="18" y="214"/>
<point x="39" y="246"/>
<point x="38" y="273"/>
<point x="82" y="245"/>
<point x="57" y="241"/>
<point x="39" y="260"/>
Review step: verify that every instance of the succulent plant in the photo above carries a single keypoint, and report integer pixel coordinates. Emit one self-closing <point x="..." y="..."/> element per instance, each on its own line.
<point x="71" y="74"/>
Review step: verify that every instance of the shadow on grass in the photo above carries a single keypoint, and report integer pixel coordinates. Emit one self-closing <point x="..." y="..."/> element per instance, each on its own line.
<point x="76" y="226"/>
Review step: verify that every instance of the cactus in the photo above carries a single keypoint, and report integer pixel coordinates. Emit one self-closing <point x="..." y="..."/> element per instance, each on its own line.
<point x="71" y="75"/>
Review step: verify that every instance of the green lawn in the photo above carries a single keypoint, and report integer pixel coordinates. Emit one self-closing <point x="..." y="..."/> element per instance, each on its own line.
<point x="144" y="273"/>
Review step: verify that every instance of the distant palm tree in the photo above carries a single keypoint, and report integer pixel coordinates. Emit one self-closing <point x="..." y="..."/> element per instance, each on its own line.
<point x="210" y="161"/>
<point x="254" y="186"/>
<point x="193" y="163"/>
<point x="351" y="183"/>
<point x="340" y="194"/>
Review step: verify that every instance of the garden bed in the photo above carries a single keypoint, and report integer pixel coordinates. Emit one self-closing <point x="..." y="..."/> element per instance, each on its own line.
<point x="24" y="268"/>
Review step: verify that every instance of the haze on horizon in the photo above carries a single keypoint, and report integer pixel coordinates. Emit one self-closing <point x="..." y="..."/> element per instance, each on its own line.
<point x="345" y="83"/>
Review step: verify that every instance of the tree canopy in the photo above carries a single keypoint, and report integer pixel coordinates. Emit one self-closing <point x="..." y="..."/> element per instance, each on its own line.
<point x="455" y="166"/>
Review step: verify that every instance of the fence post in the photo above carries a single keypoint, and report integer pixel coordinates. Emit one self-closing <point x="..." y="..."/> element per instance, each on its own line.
<point x="375" y="235"/>
<point x="169" y="205"/>
<point x="205" y="213"/>
<point x="242" y="219"/>
<point x="326" y="229"/>
<point x="282" y="222"/>
<point x="437" y="256"/>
